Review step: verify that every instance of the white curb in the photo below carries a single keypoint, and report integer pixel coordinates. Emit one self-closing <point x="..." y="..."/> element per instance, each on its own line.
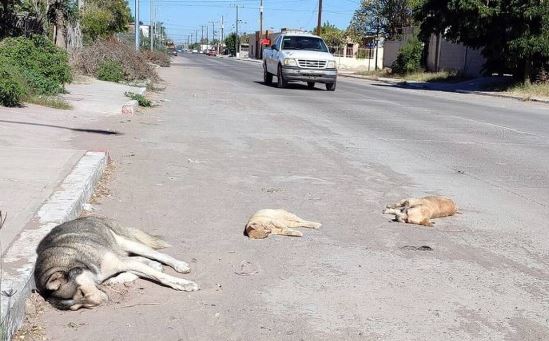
<point x="64" y="204"/>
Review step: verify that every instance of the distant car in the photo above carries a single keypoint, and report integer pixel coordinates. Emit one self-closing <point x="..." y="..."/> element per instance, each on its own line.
<point x="195" y="51"/>
<point x="211" y="53"/>
<point x="174" y="53"/>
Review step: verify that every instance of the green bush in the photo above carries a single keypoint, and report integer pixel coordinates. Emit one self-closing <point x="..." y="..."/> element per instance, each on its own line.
<point x="12" y="89"/>
<point x="43" y="66"/>
<point x="111" y="71"/>
<point x="409" y="57"/>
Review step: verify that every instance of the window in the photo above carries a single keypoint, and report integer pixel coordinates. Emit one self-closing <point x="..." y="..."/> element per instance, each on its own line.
<point x="303" y="43"/>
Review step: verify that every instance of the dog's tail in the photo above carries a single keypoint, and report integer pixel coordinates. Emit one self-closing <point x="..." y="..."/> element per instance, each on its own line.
<point x="138" y="235"/>
<point x="147" y="239"/>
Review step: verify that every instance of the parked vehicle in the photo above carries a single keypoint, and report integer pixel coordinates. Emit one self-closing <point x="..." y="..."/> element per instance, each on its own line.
<point x="299" y="57"/>
<point x="211" y="52"/>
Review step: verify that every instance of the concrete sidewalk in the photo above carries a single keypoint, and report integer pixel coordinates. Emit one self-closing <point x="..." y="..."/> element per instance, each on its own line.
<point x="39" y="158"/>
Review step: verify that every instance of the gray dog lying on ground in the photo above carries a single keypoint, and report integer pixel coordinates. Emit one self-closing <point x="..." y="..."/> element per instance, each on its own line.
<point x="77" y="256"/>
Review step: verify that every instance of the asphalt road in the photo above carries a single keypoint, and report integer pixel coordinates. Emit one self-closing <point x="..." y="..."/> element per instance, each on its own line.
<point x="223" y="145"/>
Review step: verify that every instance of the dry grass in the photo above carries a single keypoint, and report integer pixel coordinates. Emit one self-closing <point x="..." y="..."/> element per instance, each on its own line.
<point x="532" y="90"/>
<point x="136" y="67"/>
<point x="420" y="76"/>
<point x="442" y="76"/>
<point x="157" y="57"/>
<point x="102" y="188"/>
<point x="376" y="73"/>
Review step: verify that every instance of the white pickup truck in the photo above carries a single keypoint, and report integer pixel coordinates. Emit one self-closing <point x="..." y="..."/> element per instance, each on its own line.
<point x="299" y="57"/>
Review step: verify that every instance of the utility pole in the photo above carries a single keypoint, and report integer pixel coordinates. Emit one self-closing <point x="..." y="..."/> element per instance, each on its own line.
<point x="137" y="25"/>
<point x="207" y="34"/>
<point x="319" y="24"/>
<point x="202" y="37"/>
<point x="237" y="40"/>
<point x="260" y="28"/>
<point x="151" y="37"/>
<point x="222" y="32"/>
<point x="213" y="31"/>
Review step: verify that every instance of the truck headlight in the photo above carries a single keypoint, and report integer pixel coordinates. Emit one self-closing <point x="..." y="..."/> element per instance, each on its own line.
<point x="331" y="64"/>
<point x="290" y="62"/>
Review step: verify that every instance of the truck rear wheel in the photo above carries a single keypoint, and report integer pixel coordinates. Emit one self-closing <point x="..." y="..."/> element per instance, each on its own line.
<point x="311" y="85"/>
<point x="267" y="77"/>
<point x="282" y="83"/>
<point x="330" y="86"/>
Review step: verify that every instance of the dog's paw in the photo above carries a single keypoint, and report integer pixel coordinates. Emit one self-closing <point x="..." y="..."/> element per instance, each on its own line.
<point x="156" y="265"/>
<point x="182" y="267"/>
<point x="184" y="285"/>
<point x="125" y="277"/>
<point x="316" y="226"/>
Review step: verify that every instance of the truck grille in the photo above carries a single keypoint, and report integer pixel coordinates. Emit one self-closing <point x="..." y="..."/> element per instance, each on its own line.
<point x="312" y="64"/>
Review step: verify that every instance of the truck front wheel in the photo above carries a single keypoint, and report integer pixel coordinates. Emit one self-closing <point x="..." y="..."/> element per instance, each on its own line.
<point x="282" y="83"/>
<point x="267" y="77"/>
<point x="330" y="86"/>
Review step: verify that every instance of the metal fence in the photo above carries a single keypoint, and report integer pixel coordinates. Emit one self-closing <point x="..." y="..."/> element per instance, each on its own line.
<point x="337" y="51"/>
<point x="365" y="53"/>
<point x="349" y="52"/>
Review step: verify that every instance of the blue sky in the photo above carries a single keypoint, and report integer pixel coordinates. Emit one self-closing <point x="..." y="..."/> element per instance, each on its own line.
<point x="183" y="17"/>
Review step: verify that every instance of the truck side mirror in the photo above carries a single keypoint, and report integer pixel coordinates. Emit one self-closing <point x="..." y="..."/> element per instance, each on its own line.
<point x="274" y="47"/>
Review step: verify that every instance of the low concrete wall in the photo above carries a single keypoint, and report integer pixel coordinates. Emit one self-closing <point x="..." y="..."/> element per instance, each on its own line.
<point x="455" y="57"/>
<point x="391" y="48"/>
<point x="344" y="63"/>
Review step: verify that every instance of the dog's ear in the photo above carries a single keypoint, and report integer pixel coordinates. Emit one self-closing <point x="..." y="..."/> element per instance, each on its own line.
<point x="56" y="280"/>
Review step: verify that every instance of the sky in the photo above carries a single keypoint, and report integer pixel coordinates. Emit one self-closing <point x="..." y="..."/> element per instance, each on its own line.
<point x="183" y="17"/>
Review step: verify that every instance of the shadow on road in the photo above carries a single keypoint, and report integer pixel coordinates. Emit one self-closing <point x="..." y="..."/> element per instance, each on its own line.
<point x="91" y="131"/>
<point x="492" y="83"/>
<point x="296" y="86"/>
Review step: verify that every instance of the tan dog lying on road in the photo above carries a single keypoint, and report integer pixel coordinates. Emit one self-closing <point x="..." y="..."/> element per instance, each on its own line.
<point x="266" y="222"/>
<point x="420" y="211"/>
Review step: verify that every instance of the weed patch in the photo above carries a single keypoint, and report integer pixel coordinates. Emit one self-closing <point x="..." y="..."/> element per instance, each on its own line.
<point x="142" y="100"/>
<point x="50" y="101"/>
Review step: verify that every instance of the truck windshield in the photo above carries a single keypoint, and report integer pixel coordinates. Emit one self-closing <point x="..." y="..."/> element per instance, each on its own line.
<point x="303" y="43"/>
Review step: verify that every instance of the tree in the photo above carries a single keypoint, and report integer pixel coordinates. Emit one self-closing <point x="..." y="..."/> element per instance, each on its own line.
<point x="103" y="18"/>
<point x="513" y="34"/>
<point x="7" y="18"/>
<point x="332" y="35"/>
<point x="230" y="42"/>
<point x="383" y="18"/>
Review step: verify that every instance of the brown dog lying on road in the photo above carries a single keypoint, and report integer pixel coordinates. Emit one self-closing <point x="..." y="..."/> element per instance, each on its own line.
<point x="420" y="211"/>
<point x="266" y="222"/>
